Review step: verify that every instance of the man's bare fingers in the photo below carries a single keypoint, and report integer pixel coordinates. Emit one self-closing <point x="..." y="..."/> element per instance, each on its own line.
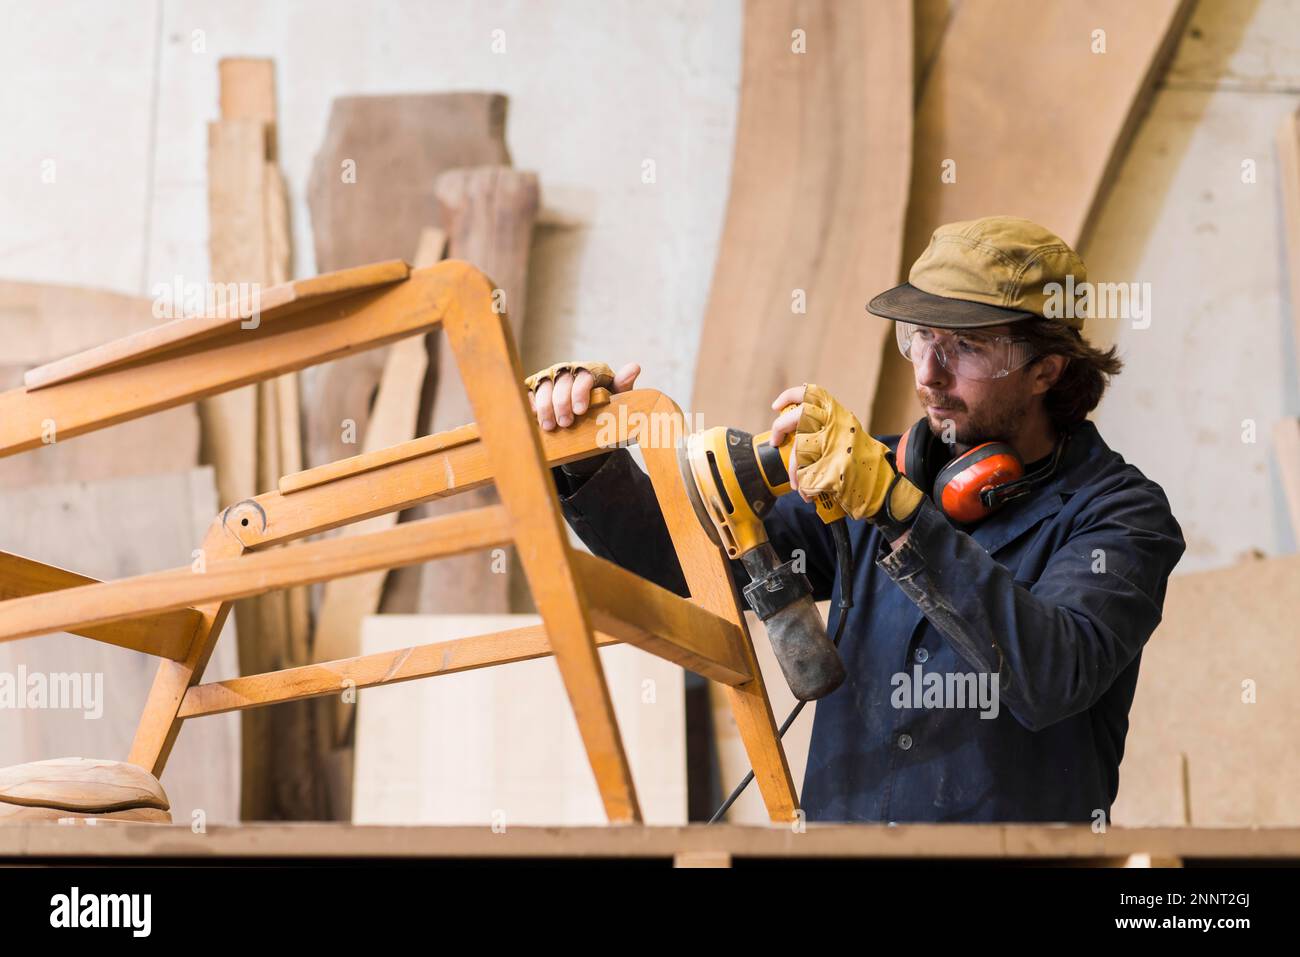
<point x="784" y="425"/>
<point x="791" y="396"/>
<point x="542" y="403"/>
<point x="626" y="377"/>
<point x="560" y="396"/>
<point x="580" y="398"/>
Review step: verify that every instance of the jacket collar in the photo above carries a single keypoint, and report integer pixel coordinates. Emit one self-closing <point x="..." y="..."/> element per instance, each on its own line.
<point x="1078" y="462"/>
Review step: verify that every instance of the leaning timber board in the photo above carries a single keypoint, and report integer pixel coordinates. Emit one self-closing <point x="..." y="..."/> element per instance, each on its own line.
<point x="816" y="210"/>
<point x="1069" y="111"/>
<point x="1221" y="629"/>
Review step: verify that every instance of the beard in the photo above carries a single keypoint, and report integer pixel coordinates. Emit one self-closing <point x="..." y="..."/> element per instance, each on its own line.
<point x="998" y="423"/>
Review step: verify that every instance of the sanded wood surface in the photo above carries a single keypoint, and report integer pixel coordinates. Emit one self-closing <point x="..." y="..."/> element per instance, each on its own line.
<point x="815" y="216"/>
<point x="1218" y="692"/>
<point x="1037" y="134"/>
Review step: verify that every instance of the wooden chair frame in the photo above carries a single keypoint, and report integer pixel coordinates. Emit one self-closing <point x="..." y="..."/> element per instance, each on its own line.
<point x="583" y="601"/>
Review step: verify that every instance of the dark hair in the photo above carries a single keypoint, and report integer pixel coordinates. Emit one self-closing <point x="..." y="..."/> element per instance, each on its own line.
<point x="1085" y="376"/>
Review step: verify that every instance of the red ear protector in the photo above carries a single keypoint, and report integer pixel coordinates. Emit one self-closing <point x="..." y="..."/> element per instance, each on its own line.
<point x="970" y="485"/>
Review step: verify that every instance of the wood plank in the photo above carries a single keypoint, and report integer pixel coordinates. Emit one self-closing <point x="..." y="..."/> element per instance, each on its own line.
<point x="175" y="335"/>
<point x="247" y="88"/>
<point x="111" y="529"/>
<point x="415" y="472"/>
<point x="1216" y="662"/>
<point x="247" y="423"/>
<point x="488" y="212"/>
<point x="374" y="670"/>
<point x="517" y="758"/>
<point x="167" y="634"/>
<point x="41" y="321"/>
<point x="797" y="264"/>
<point x="237" y="250"/>
<point x="350" y="324"/>
<point x="654" y="619"/>
<point x="345" y="602"/>
<point x="903" y="842"/>
<point x="1064" y="156"/>
<point x="370" y="195"/>
<point x="243" y="577"/>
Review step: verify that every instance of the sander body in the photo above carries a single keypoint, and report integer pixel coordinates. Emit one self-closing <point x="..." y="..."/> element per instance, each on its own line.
<point x="733" y="480"/>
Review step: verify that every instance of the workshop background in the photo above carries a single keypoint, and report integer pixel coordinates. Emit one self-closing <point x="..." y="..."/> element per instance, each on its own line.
<point x="678" y="172"/>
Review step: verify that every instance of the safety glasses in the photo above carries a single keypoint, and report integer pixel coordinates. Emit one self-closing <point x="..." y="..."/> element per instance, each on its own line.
<point x="967" y="353"/>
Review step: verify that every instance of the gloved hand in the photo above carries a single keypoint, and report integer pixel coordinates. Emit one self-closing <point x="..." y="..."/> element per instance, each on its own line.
<point x="601" y="373"/>
<point x="833" y="453"/>
<point x="562" y="391"/>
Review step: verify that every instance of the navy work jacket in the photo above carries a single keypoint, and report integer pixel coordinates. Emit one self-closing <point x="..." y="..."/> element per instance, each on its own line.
<point x="1055" y="594"/>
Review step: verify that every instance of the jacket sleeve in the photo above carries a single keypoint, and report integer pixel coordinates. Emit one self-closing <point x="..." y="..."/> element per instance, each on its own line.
<point x="1059" y="643"/>
<point x="615" y="513"/>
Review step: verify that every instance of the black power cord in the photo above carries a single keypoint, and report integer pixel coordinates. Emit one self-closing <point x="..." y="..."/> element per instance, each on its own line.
<point x="844" y="556"/>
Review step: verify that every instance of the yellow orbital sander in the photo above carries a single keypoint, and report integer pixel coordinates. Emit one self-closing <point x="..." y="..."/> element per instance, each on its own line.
<point x="733" y="480"/>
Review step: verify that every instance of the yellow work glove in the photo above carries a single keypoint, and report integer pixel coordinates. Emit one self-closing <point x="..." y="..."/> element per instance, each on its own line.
<point x="833" y="453"/>
<point x="602" y="373"/>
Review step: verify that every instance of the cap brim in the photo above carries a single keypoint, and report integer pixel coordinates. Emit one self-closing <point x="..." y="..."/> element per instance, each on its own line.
<point x="906" y="303"/>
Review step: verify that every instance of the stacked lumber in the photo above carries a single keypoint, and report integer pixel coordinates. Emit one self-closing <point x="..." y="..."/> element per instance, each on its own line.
<point x="251" y="435"/>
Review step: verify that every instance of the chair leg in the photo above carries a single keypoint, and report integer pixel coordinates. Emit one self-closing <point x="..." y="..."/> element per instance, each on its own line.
<point x="709" y="578"/>
<point x="489" y="366"/>
<point x="159" y="725"/>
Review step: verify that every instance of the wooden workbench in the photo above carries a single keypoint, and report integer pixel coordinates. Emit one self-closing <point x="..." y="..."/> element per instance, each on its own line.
<point x="695" y="845"/>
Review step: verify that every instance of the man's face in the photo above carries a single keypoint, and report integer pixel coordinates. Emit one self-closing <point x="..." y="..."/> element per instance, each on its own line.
<point x="966" y="410"/>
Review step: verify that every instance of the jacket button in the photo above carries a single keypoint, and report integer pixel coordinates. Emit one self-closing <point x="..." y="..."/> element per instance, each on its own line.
<point x="905" y="741"/>
<point x="922" y="655"/>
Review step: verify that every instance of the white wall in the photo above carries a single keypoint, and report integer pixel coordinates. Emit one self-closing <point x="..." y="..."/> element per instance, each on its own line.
<point x="119" y="98"/>
<point x="1220" y="348"/>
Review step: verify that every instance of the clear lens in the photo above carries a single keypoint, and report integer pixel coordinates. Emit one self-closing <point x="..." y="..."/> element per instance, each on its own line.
<point x="969" y="354"/>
